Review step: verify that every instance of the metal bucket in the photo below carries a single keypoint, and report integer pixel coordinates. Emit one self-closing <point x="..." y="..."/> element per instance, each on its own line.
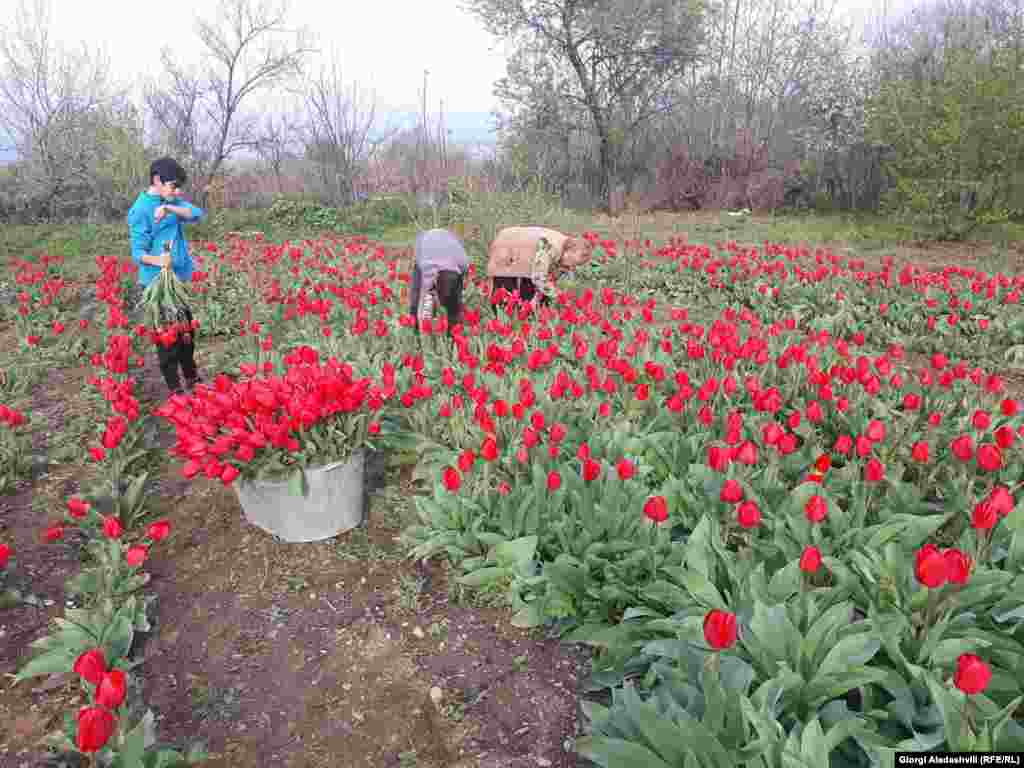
<point x="335" y="502"/>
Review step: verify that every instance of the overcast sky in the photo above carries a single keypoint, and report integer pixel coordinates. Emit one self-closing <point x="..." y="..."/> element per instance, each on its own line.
<point x="384" y="45"/>
<point x="381" y="44"/>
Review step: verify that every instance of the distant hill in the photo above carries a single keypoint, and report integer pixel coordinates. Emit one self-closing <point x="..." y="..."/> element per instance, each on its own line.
<point x="6" y="155"/>
<point x="465" y="127"/>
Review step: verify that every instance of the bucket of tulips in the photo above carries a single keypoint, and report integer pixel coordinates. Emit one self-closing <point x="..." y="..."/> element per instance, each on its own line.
<point x="292" y="445"/>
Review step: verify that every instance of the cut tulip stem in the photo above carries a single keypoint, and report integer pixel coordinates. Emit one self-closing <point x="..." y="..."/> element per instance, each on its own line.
<point x="969" y="717"/>
<point x="930" y="611"/>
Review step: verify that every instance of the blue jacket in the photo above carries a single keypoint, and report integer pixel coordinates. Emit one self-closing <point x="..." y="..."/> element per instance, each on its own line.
<point x="148" y="236"/>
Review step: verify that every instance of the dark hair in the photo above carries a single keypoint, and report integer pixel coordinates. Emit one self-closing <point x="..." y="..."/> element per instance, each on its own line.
<point x="168" y="169"/>
<point x="449" y="294"/>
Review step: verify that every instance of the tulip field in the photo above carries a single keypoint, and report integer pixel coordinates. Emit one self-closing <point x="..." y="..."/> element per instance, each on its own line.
<point x="718" y="505"/>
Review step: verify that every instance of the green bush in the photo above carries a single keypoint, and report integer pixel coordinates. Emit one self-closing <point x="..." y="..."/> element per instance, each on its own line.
<point x="294" y="210"/>
<point x="371" y="216"/>
<point x="957" y="143"/>
<point x="478" y="214"/>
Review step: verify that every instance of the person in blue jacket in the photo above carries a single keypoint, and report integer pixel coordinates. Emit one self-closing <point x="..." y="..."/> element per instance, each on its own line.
<point x="158" y="241"/>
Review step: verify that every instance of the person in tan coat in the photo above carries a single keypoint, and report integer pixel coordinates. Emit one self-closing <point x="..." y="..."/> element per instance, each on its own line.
<point x="529" y="260"/>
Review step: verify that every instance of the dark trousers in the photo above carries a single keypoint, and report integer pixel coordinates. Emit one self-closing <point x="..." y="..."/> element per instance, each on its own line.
<point x="451" y="303"/>
<point x="527" y="290"/>
<point x="180" y="354"/>
<point x="414" y="292"/>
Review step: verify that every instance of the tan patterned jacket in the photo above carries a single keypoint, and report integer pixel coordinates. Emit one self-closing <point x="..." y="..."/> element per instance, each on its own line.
<point x="515" y="252"/>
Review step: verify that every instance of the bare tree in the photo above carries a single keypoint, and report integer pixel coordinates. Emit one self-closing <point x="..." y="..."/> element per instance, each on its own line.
<point x="248" y="48"/>
<point x="621" y="53"/>
<point x="175" y="106"/>
<point x="278" y="142"/>
<point x="54" y="105"/>
<point x="340" y="132"/>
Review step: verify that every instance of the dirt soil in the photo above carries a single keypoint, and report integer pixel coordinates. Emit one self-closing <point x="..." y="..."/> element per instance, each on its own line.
<point x="277" y="654"/>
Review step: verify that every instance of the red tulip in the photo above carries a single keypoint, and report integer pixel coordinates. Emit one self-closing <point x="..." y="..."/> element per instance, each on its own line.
<point x="963" y="447"/>
<point x="625" y="468"/>
<point x="720" y="629"/>
<point x="984" y="517"/>
<point x="981" y="420"/>
<point x="747" y="453"/>
<point x="489" y="449"/>
<point x="159" y="530"/>
<point x="77" y="508"/>
<point x="466" y="460"/>
<point x="748" y="514"/>
<point x="5" y="555"/>
<point x="874" y="472"/>
<point x="95" y="727"/>
<point x="452" y="479"/>
<point x="990" y="458"/>
<point x="591" y="470"/>
<point x="718" y="458"/>
<point x="1001" y="500"/>
<point x="814" y="412"/>
<point x="91" y="666"/>
<point x="810" y="560"/>
<point x="554" y="481"/>
<point x="112" y="689"/>
<point x="972" y="675"/>
<point x="771" y="433"/>
<point x="816" y="508"/>
<point x="1005" y="437"/>
<point x="229" y="474"/>
<point x="823" y="463"/>
<point x="920" y="452"/>
<point x="136" y="556"/>
<point x="876" y="431"/>
<point x="656" y="509"/>
<point x="537" y="420"/>
<point x="112" y="527"/>
<point x="731" y="493"/>
<point x="930" y="567"/>
<point x="958" y="565"/>
<point x="863" y="446"/>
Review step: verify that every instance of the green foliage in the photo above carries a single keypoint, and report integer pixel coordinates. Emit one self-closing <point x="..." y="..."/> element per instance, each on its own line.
<point x="369" y="217"/>
<point x="957" y="144"/>
<point x="15" y="455"/>
<point x="479" y="213"/>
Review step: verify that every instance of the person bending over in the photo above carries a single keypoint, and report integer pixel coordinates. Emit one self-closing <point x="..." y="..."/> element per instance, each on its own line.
<point x="438" y="276"/>
<point x="528" y="261"/>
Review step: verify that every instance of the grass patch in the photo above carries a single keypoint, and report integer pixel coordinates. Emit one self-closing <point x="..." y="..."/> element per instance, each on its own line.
<point x="865" y="234"/>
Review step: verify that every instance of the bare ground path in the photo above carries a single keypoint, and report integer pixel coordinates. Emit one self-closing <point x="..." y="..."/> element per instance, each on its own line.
<point x="278" y="654"/>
